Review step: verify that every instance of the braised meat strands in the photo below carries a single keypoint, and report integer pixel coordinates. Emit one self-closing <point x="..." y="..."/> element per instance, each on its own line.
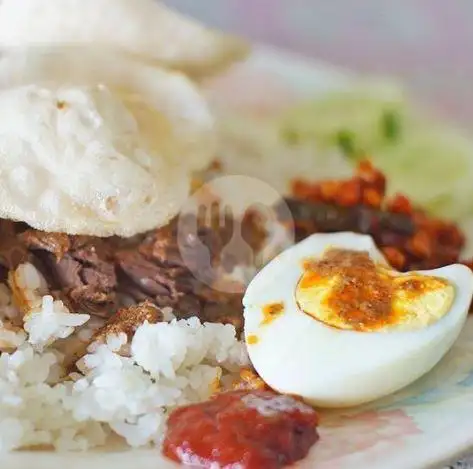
<point x="96" y="275"/>
<point x="155" y="270"/>
<point x="12" y="252"/>
<point x="79" y="269"/>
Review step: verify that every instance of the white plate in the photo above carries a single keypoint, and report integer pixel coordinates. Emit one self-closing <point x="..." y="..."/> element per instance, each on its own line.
<point x="426" y="425"/>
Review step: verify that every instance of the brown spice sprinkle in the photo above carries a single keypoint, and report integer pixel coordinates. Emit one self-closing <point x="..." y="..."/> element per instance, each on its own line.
<point x="56" y="243"/>
<point x="127" y="320"/>
<point x="249" y="380"/>
<point x="414" y="286"/>
<point x="271" y="312"/>
<point x="362" y="297"/>
<point x="61" y="105"/>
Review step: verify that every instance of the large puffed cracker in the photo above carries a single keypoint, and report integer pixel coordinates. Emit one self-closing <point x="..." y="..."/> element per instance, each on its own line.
<point x="171" y="111"/>
<point x="97" y="143"/>
<point x="145" y="28"/>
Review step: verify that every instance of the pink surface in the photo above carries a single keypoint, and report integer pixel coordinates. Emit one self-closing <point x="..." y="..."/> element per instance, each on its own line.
<point x="428" y="43"/>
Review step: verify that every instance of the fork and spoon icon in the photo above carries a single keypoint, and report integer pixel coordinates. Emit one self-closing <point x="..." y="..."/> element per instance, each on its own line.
<point x="236" y="249"/>
<point x="246" y="217"/>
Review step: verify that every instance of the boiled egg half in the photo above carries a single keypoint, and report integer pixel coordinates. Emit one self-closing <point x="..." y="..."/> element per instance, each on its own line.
<point x="330" y="321"/>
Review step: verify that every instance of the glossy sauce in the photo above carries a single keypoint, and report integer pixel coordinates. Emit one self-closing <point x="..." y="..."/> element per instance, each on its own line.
<point x="243" y="429"/>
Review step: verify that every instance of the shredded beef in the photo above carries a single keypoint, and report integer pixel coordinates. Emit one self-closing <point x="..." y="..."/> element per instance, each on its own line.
<point x="79" y="269"/>
<point x="156" y="271"/>
<point x="63" y="274"/>
<point x="189" y="244"/>
<point x="12" y="252"/>
<point x="91" y="274"/>
<point x="141" y="275"/>
<point x="55" y="243"/>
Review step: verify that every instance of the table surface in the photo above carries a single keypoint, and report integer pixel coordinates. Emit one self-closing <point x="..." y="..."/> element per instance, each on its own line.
<point x="427" y="43"/>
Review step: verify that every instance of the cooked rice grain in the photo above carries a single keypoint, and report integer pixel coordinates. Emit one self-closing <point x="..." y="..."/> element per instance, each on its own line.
<point x="170" y="364"/>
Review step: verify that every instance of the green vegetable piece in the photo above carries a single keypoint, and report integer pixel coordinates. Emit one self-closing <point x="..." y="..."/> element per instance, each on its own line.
<point x="391" y="125"/>
<point x="290" y="136"/>
<point x="346" y="142"/>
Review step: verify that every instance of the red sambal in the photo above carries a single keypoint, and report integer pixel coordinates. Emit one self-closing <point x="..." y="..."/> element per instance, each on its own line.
<point x="409" y="238"/>
<point x="245" y="429"/>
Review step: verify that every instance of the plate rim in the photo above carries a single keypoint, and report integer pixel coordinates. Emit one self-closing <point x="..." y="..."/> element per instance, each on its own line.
<point x="273" y="58"/>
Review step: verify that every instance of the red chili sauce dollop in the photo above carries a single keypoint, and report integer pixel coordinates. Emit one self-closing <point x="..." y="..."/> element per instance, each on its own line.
<point x="245" y="429"/>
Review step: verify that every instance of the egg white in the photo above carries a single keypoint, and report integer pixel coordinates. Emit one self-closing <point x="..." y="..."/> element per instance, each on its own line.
<point x="328" y="367"/>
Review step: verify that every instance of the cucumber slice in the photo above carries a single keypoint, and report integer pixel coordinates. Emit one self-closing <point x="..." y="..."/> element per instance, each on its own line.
<point x="430" y="162"/>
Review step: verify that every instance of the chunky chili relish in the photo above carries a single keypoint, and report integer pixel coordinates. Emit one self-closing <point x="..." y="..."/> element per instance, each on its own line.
<point x="409" y="238"/>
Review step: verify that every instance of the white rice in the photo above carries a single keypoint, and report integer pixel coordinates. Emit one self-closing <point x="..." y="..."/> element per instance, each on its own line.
<point x="169" y="364"/>
<point x="50" y="320"/>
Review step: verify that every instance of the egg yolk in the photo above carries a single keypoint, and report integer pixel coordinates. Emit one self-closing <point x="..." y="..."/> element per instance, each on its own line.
<point x="348" y="290"/>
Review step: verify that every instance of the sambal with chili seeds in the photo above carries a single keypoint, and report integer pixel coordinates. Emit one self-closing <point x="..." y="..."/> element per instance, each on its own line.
<point x="409" y="238"/>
